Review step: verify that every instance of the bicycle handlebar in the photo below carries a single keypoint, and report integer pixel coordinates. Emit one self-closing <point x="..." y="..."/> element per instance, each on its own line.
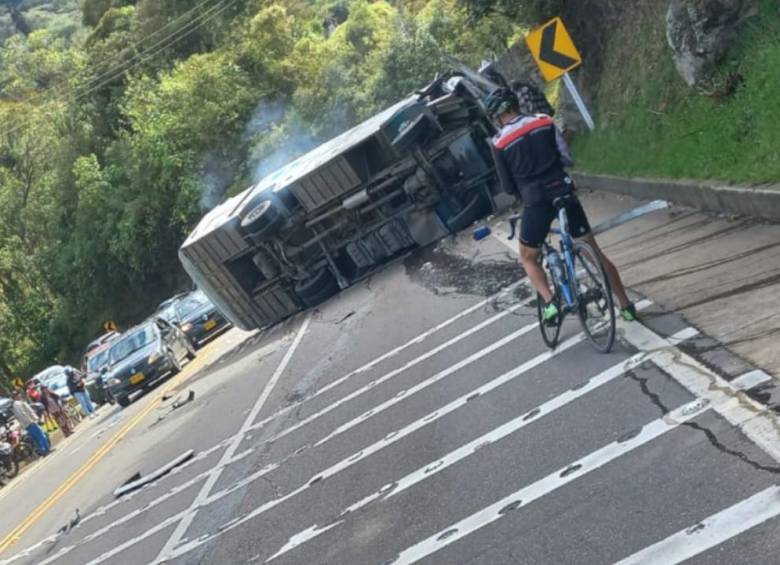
<point x="513" y="219"/>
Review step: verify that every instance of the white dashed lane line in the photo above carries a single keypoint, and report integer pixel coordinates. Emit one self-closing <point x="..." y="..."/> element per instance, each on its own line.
<point x="216" y="473"/>
<point x="712" y="531"/>
<point x="432" y="468"/>
<point x="535" y="491"/>
<point x="420" y="338"/>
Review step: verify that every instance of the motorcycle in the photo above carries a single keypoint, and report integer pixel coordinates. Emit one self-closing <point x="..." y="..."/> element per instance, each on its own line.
<point x="9" y="467"/>
<point x="23" y="446"/>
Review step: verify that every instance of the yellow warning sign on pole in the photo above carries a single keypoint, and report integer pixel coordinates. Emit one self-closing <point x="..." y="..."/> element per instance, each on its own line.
<point x="553" y="49"/>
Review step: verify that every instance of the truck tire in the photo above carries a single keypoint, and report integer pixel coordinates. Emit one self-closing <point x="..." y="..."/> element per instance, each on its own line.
<point x="317" y="289"/>
<point x="476" y="208"/>
<point x="261" y="218"/>
<point x="123" y="401"/>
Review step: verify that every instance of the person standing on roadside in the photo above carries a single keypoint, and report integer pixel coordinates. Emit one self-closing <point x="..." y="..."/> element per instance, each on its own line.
<point x="51" y="400"/>
<point x="78" y="389"/>
<point x="35" y="396"/>
<point x="28" y="420"/>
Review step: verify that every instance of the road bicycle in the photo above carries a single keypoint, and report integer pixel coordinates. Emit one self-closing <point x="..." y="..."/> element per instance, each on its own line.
<point x="580" y="284"/>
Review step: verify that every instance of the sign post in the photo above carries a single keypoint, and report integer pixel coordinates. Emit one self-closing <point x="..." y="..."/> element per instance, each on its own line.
<point x="579" y="101"/>
<point x="555" y="53"/>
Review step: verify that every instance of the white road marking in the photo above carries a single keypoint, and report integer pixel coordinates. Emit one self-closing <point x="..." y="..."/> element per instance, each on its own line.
<point x="213" y="477"/>
<point x="393" y="352"/>
<point x="751" y="380"/>
<point x="395" y="372"/>
<point x="348" y="462"/>
<point x="749" y="416"/>
<point x="711" y="531"/>
<point x="268" y="468"/>
<point x="528" y="494"/>
<point x="168" y="522"/>
<point x="434" y="467"/>
<point x="389" y="439"/>
<point x="430" y="381"/>
<point x="396" y="435"/>
<point x="303" y="537"/>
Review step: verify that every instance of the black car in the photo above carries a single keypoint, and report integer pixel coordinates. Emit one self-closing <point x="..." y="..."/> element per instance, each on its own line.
<point x="195" y="314"/>
<point x="144" y="355"/>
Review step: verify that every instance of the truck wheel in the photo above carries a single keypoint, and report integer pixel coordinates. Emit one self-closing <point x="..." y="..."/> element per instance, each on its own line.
<point x="476" y="208"/>
<point x="317" y="289"/>
<point x="123" y="401"/>
<point x="261" y="218"/>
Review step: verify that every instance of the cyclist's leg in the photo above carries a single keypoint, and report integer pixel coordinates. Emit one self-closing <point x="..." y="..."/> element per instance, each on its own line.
<point x="534" y="227"/>
<point x="580" y="229"/>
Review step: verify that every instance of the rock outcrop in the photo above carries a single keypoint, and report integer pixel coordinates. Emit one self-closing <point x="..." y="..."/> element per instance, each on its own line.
<point x="700" y="33"/>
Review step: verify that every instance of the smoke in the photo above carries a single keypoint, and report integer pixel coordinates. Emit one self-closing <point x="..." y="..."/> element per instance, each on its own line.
<point x="216" y="174"/>
<point x="279" y="138"/>
<point x="274" y="136"/>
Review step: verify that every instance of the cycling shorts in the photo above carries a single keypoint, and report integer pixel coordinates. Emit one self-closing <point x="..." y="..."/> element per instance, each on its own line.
<point x="537" y="218"/>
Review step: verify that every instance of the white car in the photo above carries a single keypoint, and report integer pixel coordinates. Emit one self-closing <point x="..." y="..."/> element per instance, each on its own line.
<point x="55" y="379"/>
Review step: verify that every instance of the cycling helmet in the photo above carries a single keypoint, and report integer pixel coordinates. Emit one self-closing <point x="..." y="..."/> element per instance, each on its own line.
<point x="499" y="101"/>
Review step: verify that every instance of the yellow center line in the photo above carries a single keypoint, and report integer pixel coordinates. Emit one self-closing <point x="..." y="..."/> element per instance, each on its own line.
<point x="36" y="514"/>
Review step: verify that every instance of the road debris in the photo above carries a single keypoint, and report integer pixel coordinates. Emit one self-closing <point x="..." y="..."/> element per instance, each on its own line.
<point x="70" y="525"/>
<point x="138" y="480"/>
<point x="178" y="403"/>
<point x="481" y="233"/>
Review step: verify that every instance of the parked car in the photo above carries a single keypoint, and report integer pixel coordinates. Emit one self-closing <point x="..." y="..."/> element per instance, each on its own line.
<point x="100" y="341"/>
<point x="6" y="410"/>
<point x="195" y="315"/>
<point x="406" y="177"/>
<point x="143" y="355"/>
<point x="55" y="379"/>
<point x="92" y="364"/>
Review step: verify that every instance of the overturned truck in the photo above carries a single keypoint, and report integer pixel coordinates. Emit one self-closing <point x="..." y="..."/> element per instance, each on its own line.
<point x="406" y="177"/>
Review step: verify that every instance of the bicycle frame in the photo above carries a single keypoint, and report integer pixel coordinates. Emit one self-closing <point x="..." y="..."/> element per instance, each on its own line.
<point x="568" y="286"/>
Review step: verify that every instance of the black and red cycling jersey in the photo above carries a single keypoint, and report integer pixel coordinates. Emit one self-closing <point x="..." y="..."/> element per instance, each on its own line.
<point x="533" y="153"/>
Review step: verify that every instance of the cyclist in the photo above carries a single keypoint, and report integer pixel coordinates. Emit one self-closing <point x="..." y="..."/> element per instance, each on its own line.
<point x="533" y="154"/>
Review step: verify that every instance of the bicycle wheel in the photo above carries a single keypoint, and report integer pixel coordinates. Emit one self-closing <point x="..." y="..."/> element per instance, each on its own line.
<point x="550" y="330"/>
<point x="596" y="306"/>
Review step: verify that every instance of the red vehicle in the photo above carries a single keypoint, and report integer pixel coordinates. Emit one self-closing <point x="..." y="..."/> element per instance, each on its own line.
<point x="94" y="361"/>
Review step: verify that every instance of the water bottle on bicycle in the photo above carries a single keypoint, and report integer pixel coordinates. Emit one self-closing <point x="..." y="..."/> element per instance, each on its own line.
<point x="531" y="156"/>
<point x="580" y="284"/>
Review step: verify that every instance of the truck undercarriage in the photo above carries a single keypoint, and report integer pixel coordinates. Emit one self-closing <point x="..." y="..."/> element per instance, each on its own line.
<point x="404" y="178"/>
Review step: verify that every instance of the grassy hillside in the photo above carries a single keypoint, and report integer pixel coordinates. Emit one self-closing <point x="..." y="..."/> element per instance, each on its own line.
<point x="650" y="123"/>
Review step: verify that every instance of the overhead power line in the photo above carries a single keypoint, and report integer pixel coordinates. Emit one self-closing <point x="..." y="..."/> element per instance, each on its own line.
<point x="136" y="46"/>
<point x="138" y="59"/>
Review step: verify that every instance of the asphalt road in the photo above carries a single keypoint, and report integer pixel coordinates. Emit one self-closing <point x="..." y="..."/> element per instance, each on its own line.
<point x="419" y="417"/>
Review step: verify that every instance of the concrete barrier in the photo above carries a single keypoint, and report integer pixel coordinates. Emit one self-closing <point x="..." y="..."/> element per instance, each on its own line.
<point x="758" y="202"/>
